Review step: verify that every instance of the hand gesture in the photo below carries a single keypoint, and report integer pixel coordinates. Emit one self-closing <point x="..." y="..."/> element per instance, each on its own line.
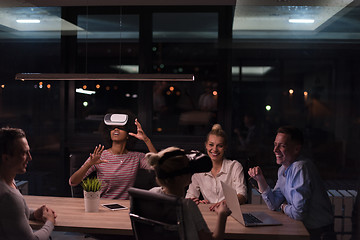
<point x="48" y="214"/>
<point x="140" y="132"/>
<point x="95" y="156"/>
<point x="216" y="205"/>
<point x="256" y="173"/>
<point x="198" y="201"/>
<point x="38" y="213"/>
<point x="44" y="213"/>
<point x="222" y="209"/>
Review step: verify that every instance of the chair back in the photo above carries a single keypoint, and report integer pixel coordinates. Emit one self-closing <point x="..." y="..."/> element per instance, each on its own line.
<point x="76" y="160"/>
<point x="156" y="216"/>
<point x="145" y="179"/>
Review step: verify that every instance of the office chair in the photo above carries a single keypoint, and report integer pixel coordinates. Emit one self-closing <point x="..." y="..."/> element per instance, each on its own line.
<point x="145" y="179"/>
<point x="76" y="161"/>
<point x="156" y="216"/>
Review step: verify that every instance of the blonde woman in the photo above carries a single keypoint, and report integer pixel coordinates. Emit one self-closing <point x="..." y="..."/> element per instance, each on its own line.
<point x="173" y="174"/>
<point x="228" y="171"/>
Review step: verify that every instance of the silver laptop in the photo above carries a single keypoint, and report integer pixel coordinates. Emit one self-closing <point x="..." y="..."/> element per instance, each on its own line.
<point x="246" y="219"/>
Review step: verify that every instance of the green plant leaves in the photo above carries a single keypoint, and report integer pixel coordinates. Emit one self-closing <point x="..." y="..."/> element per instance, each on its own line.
<point x="91" y="184"/>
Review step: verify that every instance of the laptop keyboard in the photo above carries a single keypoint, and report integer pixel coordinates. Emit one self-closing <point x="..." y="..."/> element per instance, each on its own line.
<point x="249" y="218"/>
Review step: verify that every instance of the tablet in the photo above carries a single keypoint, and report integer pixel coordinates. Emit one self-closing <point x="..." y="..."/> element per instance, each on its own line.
<point x="114" y="206"/>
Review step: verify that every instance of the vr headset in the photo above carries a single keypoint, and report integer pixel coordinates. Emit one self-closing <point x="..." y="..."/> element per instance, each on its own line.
<point x="198" y="162"/>
<point x="121" y="121"/>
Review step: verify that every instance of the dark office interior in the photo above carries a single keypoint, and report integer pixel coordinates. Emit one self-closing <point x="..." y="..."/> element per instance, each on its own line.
<point x="243" y="58"/>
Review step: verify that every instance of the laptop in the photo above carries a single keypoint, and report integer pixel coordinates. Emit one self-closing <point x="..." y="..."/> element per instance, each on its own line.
<point x="247" y="219"/>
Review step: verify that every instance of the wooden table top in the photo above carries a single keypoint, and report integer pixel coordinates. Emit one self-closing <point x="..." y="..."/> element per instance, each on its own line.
<point x="291" y="229"/>
<point x="71" y="217"/>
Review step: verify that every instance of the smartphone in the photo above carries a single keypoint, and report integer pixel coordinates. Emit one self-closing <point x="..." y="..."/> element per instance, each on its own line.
<point x="114" y="206"/>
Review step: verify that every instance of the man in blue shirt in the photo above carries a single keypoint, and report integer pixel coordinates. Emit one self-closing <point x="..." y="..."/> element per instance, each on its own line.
<point x="299" y="191"/>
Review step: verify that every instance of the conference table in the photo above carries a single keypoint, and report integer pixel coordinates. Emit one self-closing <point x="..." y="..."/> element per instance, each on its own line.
<point x="71" y="217"/>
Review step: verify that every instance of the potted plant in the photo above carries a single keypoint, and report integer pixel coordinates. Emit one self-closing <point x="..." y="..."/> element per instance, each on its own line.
<point x="91" y="188"/>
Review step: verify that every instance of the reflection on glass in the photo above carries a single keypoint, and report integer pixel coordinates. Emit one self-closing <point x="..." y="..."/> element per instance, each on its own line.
<point x="184" y="108"/>
<point x="94" y="102"/>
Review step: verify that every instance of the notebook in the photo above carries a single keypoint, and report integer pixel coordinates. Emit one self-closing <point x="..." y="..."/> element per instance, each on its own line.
<point x="246" y="219"/>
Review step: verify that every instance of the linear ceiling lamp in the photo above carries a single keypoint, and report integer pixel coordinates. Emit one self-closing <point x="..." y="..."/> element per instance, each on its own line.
<point x="103" y="77"/>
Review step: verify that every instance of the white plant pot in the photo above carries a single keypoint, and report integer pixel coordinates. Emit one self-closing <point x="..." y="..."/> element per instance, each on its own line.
<point x="92" y="201"/>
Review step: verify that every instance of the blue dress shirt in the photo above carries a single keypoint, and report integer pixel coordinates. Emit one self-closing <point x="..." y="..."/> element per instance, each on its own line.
<point x="301" y="187"/>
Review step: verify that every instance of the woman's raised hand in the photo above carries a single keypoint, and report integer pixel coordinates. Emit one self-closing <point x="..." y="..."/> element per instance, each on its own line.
<point x="95" y="156"/>
<point x="140" y="132"/>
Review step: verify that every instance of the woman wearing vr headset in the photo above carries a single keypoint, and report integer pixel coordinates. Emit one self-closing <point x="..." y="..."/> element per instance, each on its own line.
<point x="116" y="166"/>
<point x="228" y="171"/>
<point x="173" y="173"/>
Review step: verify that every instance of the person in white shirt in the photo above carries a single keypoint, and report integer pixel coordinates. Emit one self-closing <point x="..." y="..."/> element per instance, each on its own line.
<point x="228" y="171"/>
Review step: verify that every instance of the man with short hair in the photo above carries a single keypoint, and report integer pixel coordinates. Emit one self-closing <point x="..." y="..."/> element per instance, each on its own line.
<point x="299" y="190"/>
<point x="15" y="215"/>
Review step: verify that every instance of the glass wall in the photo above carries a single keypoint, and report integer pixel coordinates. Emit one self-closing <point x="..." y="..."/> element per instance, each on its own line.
<point x="33" y="105"/>
<point x="306" y="79"/>
<point x="185" y="108"/>
<point x="278" y="74"/>
<point x="106" y="43"/>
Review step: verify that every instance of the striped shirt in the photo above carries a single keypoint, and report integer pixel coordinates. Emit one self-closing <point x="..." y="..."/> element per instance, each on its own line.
<point x="119" y="173"/>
